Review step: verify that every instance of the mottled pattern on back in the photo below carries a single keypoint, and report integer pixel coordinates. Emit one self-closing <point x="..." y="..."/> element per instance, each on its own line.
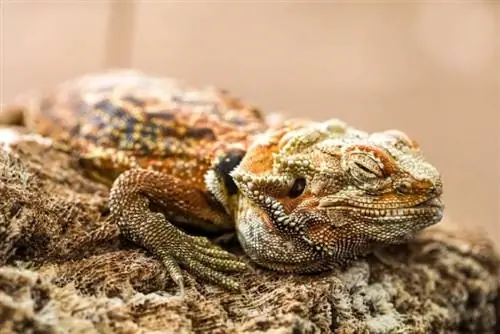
<point x="145" y="120"/>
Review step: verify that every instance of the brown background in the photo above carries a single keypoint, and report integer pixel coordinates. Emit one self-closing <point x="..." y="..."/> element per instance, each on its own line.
<point x="429" y="68"/>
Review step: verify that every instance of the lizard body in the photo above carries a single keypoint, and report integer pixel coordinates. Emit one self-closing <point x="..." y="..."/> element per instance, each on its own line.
<point x="302" y="196"/>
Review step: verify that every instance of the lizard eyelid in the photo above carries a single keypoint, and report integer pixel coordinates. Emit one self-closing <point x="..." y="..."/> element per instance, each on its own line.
<point x="363" y="167"/>
<point x="366" y="169"/>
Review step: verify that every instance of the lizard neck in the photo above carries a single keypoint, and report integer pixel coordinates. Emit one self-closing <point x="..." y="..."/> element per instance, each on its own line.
<point x="255" y="154"/>
<point x="220" y="183"/>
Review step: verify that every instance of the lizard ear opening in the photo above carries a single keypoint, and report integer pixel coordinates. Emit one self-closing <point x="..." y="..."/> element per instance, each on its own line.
<point x="298" y="188"/>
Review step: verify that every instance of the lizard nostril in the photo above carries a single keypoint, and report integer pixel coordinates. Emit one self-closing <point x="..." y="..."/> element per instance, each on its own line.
<point x="437" y="188"/>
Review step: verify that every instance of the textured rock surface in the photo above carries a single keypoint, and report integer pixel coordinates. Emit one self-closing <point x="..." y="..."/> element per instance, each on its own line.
<point x="65" y="269"/>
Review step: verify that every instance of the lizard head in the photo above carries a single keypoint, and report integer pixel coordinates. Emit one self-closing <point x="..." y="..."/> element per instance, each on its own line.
<point x="316" y="194"/>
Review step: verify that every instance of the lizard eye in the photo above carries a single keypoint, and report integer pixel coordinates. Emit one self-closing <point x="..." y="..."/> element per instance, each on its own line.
<point x="363" y="167"/>
<point x="298" y="188"/>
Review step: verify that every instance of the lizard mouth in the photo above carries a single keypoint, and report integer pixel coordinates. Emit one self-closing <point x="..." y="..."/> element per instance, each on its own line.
<point x="434" y="202"/>
<point x="430" y="208"/>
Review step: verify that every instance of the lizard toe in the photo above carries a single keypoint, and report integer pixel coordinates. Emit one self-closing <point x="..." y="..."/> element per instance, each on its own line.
<point x="215" y="252"/>
<point x="201" y="241"/>
<point x="224" y="265"/>
<point x="205" y="272"/>
<point x="207" y="263"/>
<point x="173" y="269"/>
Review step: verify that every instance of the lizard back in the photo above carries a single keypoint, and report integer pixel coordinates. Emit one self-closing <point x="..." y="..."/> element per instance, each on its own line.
<point x="122" y="118"/>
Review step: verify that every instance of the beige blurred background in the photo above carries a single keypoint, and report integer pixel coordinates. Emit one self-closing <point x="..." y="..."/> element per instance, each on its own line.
<point x="429" y="68"/>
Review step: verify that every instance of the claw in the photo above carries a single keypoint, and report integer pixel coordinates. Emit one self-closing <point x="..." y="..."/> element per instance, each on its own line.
<point x="180" y="284"/>
<point x="173" y="270"/>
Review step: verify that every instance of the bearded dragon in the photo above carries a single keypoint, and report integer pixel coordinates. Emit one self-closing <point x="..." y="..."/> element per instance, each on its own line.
<point x="302" y="196"/>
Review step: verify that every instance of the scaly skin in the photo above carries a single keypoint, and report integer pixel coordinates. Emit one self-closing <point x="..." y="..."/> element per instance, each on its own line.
<point x="302" y="196"/>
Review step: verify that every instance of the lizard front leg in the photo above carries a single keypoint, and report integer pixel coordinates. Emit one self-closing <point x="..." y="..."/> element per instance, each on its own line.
<point x="130" y="198"/>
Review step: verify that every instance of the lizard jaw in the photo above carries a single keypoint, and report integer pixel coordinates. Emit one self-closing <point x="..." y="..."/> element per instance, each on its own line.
<point x="430" y="210"/>
<point x="297" y="251"/>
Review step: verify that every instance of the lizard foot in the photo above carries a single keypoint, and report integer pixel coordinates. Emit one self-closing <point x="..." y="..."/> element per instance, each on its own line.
<point x="176" y="249"/>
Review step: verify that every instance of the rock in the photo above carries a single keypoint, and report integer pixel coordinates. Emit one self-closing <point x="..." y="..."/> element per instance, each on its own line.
<point x="65" y="269"/>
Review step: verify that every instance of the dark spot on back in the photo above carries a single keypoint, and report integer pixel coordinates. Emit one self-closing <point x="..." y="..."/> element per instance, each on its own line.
<point x="165" y="131"/>
<point x="226" y="165"/>
<point x="106" y="106"/>
<point x="114" y="111"/>
<point x="200" y="133"/>
<point x="166" y="115"/>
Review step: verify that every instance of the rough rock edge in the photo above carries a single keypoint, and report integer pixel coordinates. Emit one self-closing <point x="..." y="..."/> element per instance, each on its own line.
<point x="64" y="269"/>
